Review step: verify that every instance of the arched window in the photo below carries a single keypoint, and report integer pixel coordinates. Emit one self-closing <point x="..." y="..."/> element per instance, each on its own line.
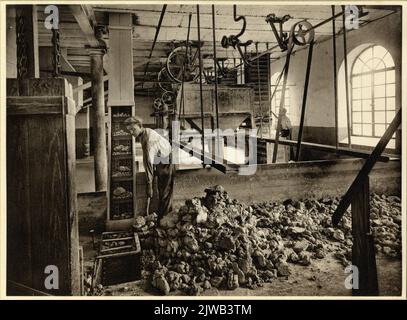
<point x="275" y="101"/>
<point x="373" y="101"/>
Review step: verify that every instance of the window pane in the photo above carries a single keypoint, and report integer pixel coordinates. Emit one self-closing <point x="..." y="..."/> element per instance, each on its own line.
<point x="356" y="105"/>
<point x="367" y="117"/>
<point x="366" y="80"/>
<point x="357" y="129"/>
<point x="388" y="60"/>
<point x="367" y="129"/>
<point x="357" y="68"/>
<point x="379" y="91"/>
<point x="356" y="82"/>
<point x="366" y="93"/>
<point x="367" y="105"/>
<point x="356" y="94"/>
<point x="378" y="64"/>
<point x="357" y="117"/>
<point x="380" y="104"/>
<point x="390" y="76"/>
<point x="366" y="68"/>
<point x="380" y="78"/>
<point x="390" y="90"/>
<point x="391" y="103"/>
<point x="390" y="116"/>
<point x="380" y="117"/>
<point x="379" y="51"/>
<point x="379" y="129"/>
<point x="366" y="55"/>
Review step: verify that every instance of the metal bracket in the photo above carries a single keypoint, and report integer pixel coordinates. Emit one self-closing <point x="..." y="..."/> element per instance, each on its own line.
<point x="281" y="36"/>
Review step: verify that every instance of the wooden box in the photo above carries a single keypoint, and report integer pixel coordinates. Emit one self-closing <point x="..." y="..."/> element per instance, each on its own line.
<point x="119" y="258"/>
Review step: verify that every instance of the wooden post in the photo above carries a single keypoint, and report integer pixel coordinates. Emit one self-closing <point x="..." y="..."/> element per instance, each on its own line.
<point x="120" y="102"/>
<point x="27" y="41"/>
<point x="98" y="110"/>
<point x="42" y="220"/>
<point x="363" y="252"/>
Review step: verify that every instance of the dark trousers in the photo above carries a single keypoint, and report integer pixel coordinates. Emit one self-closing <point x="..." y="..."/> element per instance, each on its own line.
<point x="165" y="182"/>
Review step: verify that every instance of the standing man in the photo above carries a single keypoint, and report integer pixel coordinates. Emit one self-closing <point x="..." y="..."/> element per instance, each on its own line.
<point x="157" y="162"/>
<point x="285" y="132"/>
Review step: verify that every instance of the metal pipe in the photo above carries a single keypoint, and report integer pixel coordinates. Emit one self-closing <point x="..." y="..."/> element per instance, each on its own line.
<point x="282" y="101"/>
<point x="304" y="101"/>
<point x="345" y="54"/>
<point x="259" y="91"/>
<point x="157" y="31"/>
<point x="200" y="82"/>
<point x="182" y="102"/>
<point x="215" y="67"/>
<point x="335" y="77"/>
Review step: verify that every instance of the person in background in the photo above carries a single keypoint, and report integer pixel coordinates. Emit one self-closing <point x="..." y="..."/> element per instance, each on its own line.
<point x="285" y="131"/>
<point x="155" y="146"/>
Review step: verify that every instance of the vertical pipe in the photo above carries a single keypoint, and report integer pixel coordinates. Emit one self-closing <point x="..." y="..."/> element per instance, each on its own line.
<point x="282" y="101"/>
<point x="345" y="54"/>
<point x="304" y="101"/>
<point x="98" y="110"/>
<point x="219" y="143"/>
<point x="335" y="76"/>
<point x="200" y="82"/>
<point x="259" y="91"/>
<point x="215" y="67"/>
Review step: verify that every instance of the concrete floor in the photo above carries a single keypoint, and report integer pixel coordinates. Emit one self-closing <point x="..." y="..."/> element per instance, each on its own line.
<point x="322" y="278"/>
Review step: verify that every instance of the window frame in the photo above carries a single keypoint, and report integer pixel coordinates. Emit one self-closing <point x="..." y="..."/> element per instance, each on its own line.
<point x="372" y="96"/>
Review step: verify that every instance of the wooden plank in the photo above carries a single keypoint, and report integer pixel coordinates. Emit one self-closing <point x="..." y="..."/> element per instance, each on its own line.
<point x="72" y="213"/>
<point x="40" y="105"/>
<point x="121" y="83"/>
<point x="363" y="256"/>
<point x="328" y="148"/>
<point x="367" y="167"/>
<point x="19" y="245"/>
<point x="87" y="85"/>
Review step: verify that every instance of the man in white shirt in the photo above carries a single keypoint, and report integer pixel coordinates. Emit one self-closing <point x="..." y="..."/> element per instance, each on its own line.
<point x="157" y="162"/>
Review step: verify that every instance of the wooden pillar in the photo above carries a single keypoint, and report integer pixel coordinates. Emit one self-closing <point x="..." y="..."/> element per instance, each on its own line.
<point x="98" y="113"/>
<point x="363" y="251"/>
<point x="27" y="41"/>
<point x="42" y="221"/>
<point x="121" y="105"/>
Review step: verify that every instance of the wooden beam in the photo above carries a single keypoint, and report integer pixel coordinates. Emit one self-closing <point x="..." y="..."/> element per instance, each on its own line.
<point x="84" y="16"/>
<point x="367" y="167"/>
<point x="328" y="148"/>
<point x="87" y="85"/>
<point x="363" y="251"/>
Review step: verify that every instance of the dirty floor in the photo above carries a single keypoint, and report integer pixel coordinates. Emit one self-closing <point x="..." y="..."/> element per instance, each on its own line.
<point x="322" y="278"/>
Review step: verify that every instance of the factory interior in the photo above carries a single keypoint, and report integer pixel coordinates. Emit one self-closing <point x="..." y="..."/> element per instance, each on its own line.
<point x="285" y="121"/>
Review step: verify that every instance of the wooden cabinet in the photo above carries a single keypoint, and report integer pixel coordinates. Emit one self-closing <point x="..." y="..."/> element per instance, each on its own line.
<point x="42" y="222"/>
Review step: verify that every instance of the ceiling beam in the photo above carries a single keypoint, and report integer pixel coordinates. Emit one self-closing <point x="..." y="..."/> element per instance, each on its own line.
<point x="84" y="16"/>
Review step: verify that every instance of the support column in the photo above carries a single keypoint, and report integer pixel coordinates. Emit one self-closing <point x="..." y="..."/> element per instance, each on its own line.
<point x="27" y="41"/>
<point x="363" y="251"/>
<point x="98" y="113"/>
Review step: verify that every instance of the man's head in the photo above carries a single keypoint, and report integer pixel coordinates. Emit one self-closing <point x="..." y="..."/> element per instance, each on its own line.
<point x="134" y="125"/>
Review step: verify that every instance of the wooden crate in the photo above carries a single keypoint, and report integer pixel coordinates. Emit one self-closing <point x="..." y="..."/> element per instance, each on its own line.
<point x="120" y="262"/>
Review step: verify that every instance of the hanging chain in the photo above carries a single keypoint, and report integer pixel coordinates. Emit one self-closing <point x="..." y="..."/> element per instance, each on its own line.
<point x="57" y="52"/>
<point x="22" y="59"/>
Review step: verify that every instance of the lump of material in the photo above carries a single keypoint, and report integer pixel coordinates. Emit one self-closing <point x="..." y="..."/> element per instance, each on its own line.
<point x="216" y="241"/>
